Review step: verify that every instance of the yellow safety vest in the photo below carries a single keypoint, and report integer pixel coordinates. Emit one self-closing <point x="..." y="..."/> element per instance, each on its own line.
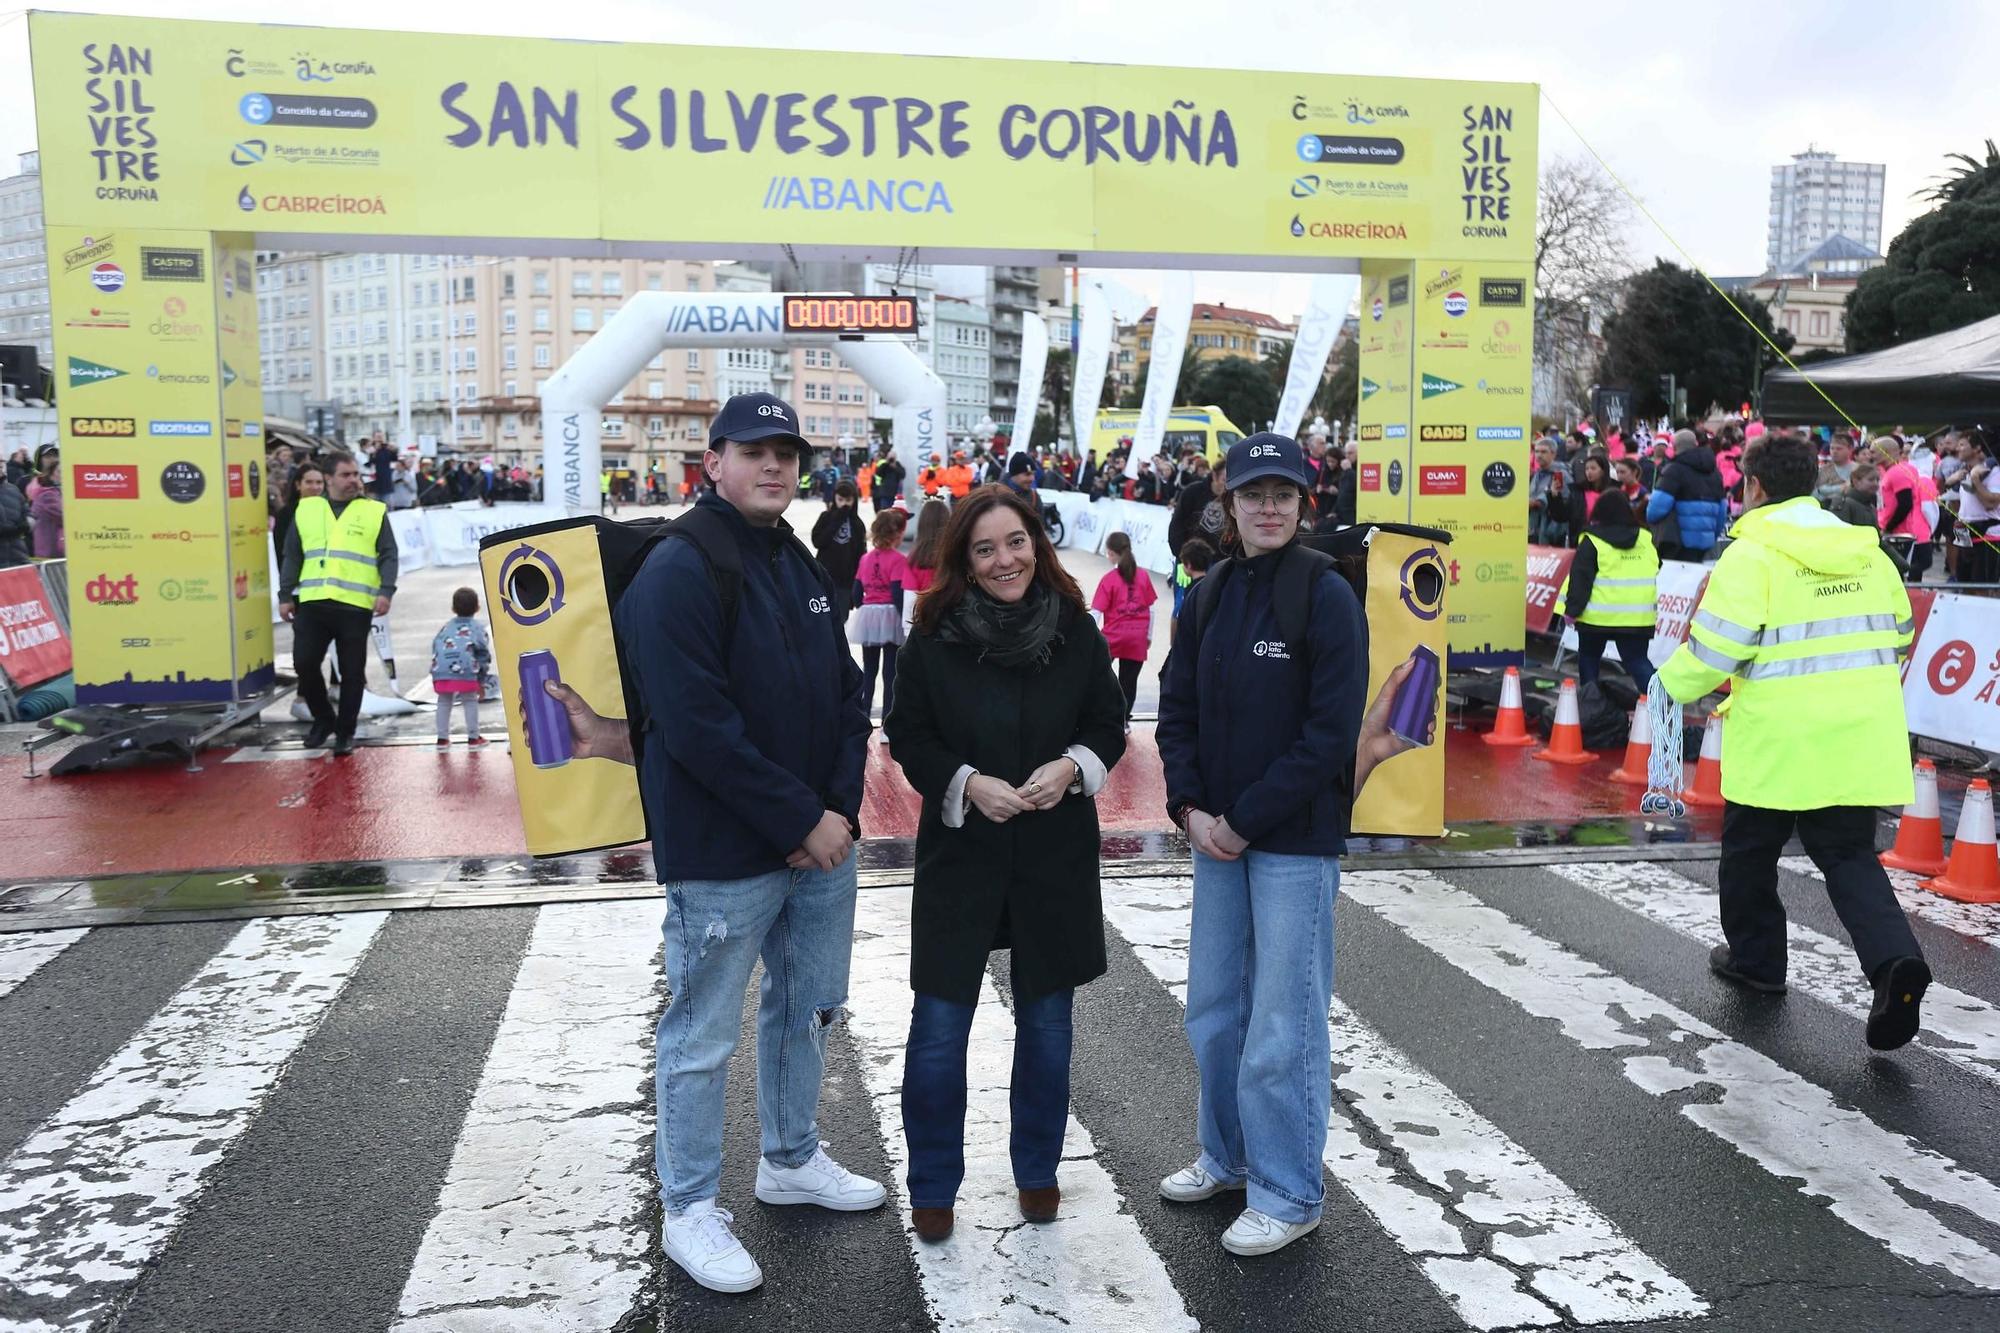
<point x="1623" y="594"/>
<point x="340" y="552"/>
<point x="1808" y="619"/>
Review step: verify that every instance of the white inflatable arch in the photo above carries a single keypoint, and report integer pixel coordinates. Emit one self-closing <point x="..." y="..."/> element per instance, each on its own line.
<point x="574" y="399"/>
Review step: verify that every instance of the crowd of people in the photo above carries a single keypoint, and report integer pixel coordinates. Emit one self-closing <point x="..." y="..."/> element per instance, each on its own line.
<point x="31" y="507"/>
<point x="1922" y="494"/>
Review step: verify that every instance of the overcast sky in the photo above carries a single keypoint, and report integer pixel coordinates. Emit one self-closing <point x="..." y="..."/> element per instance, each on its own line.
<point x="1691" y="102"/>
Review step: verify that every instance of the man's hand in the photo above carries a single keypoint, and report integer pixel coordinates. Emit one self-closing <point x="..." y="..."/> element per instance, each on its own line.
<point x="1200" y="830"/>
<point x="994" y="798"/>
<point x="381" y="606"/>
<point x="1376" y="742"/>
<point x="1047" y="785"/>
<point x="829" y="844"/>
<point x="591" y="735"/>
<point x="285" y="610"/>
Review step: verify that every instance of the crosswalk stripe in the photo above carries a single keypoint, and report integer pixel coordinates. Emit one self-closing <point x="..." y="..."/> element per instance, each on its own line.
<point x="1961" y="1028"/>
<point x="1978" y="921"/>
<point x="1791" y="1127"/>
<point x="23" y="953"/>
<point x="1545" y="1255"/>
<point x="538" y="1225"/>
<point x="1092" y="1267"/>
<point x="96" y="1191"/>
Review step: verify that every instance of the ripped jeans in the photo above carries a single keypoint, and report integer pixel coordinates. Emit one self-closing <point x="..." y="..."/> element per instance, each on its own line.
<point x="801" y="922"/>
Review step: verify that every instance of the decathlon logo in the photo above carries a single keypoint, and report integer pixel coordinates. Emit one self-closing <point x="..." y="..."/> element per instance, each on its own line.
<point x="819" y="606"/>
<point x="1263" y="451"/>
<point x="1274" y="648"/>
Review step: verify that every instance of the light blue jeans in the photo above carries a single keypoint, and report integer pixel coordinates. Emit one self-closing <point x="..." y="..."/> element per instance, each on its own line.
<point x="1260" y="981"/>
<point x="801" y="922"/>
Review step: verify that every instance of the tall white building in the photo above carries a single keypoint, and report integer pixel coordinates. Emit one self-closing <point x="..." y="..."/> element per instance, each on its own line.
<point x="1816" y="197"/>
<point x="24" y="264"/>
<point x="962" y="356"/>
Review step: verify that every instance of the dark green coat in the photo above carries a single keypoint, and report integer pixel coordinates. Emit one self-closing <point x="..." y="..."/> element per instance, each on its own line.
<point x="1029" y="884"/>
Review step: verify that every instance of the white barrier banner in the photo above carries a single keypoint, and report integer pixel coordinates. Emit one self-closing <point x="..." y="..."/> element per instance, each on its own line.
<point x="1084" y="523"/>
<point x="453" y="534"/>
<point x="1952" y="688"/>
<point x="1146" y="525"/>
<point x="1679" y="591"/>
<point x="413" y="547"/>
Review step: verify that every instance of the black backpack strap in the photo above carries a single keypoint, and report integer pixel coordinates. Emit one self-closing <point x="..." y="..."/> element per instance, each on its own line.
<point x="709" y="533"/>
<point x="1298" y="573"/>
<point x="1206" y="594"/>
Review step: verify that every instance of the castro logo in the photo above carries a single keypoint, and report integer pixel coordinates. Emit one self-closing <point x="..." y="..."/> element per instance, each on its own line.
<point x="1951" y="667"/>
<point x="107" y="277"/>
<point x="819" y="606"/>
<point x="1455" y="304"/>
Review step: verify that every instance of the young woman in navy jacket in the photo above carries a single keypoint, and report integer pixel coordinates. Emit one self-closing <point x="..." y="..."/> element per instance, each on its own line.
<point x="1264" y="743"/>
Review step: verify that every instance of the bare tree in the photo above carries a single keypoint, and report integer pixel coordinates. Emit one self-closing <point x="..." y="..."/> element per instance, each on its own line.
<point x="1581" y="260"/>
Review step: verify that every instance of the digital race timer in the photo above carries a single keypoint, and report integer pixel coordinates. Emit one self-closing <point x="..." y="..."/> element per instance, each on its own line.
<point x="850" y="314"/>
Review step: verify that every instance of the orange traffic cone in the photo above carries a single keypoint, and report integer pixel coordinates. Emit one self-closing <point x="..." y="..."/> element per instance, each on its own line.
<point x="1511" y="728"/>
<point x="1566" y="739"/>
<point x="1974" y="873"/>
<point x="1638" y="749"/>
<point x="1708" y="773"/>
<point x="1920" y="833"/>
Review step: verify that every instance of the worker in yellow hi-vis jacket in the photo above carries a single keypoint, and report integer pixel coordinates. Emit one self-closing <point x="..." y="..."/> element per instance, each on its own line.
<point x="1807" y="619"/>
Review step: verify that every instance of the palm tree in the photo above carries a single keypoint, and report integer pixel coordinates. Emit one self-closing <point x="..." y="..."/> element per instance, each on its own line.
<point x="1967" y="180"/>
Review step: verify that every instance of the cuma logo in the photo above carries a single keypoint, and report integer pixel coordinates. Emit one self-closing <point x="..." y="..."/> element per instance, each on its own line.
<point x="107" y="591"/>
<point x="1436" y="386"/>
<point x="1298" y="227"/>
<point x="82" y="372"/>
<point x="1455" y="304"/>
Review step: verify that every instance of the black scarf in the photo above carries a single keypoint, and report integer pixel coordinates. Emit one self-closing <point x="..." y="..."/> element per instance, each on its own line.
<point x="1007" y="634"/>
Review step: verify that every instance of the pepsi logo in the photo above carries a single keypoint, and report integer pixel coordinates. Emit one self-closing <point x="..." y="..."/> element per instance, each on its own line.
<point x="107" y="277"/>
<point x="1455" y="304"/>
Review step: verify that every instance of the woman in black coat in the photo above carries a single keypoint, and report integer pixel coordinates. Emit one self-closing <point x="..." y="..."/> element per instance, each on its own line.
<point x="1006" y="719"/>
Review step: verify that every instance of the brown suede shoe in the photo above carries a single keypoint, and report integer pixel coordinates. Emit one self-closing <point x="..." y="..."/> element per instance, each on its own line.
<point x="1040" y="1205"/>
<point x="933" y="1224"/>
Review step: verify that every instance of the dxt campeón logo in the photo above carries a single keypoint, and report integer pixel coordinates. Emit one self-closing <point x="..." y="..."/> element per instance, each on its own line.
<point x="83" y="373"/>
<point x="1437" y="385"/>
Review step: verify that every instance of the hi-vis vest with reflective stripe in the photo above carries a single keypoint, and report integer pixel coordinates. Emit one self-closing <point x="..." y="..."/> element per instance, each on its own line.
<point x="1810" y="619"/>
<point x="1622" y="596"/>
<point x="340" y="552"/>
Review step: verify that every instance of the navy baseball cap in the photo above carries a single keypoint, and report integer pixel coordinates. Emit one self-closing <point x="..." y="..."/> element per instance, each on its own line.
<point x="1267" y="454"/>
<point x="756" y="416"/>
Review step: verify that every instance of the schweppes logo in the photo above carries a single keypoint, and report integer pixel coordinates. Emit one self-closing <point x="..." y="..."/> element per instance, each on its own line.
<point x="1436" y="386"/>
<point x="1441" y="434"/>
<point x="1371" y="432"/>
<point x="1369" y="388"/>
<point x="104" y="428"/>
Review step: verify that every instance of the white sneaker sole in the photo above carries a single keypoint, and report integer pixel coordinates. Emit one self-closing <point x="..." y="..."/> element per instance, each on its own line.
<point x="750" y="1283"/>
<point x="1268" y="1246"/>
<point x="766" y="1195"/>
<point x="1196" y="1196"/>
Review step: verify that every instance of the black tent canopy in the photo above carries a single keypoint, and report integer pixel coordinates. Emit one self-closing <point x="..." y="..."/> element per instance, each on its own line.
<point x="1949" y="377"/>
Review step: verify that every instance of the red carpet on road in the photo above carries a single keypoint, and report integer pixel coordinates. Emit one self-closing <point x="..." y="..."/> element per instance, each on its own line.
<point x="393" y="802"/>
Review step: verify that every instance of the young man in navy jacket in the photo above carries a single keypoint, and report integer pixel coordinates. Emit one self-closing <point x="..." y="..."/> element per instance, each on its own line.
<point x="751" y="777"/>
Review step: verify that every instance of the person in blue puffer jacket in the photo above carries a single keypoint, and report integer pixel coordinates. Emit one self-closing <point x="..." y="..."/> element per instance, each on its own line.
<point x="1688" y="505"/>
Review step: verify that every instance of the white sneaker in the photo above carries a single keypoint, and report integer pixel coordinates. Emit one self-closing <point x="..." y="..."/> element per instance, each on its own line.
<point x="822" y="1181"/>
<point x="1254" y="1233"/>
<point x="1192" y="1184"/>
<point x="700" y="1241"/>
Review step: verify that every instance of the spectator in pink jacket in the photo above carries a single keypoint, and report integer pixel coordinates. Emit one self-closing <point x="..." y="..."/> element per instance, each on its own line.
<point x="1124" y="603"/>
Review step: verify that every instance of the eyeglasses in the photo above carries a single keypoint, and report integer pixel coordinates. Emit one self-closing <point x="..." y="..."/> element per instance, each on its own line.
<point x="1284" y="502"/>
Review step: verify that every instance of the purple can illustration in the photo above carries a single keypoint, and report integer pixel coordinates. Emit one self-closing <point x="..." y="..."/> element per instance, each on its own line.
<point x="1413" y="712"/>
<point x="549" y="743"/>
